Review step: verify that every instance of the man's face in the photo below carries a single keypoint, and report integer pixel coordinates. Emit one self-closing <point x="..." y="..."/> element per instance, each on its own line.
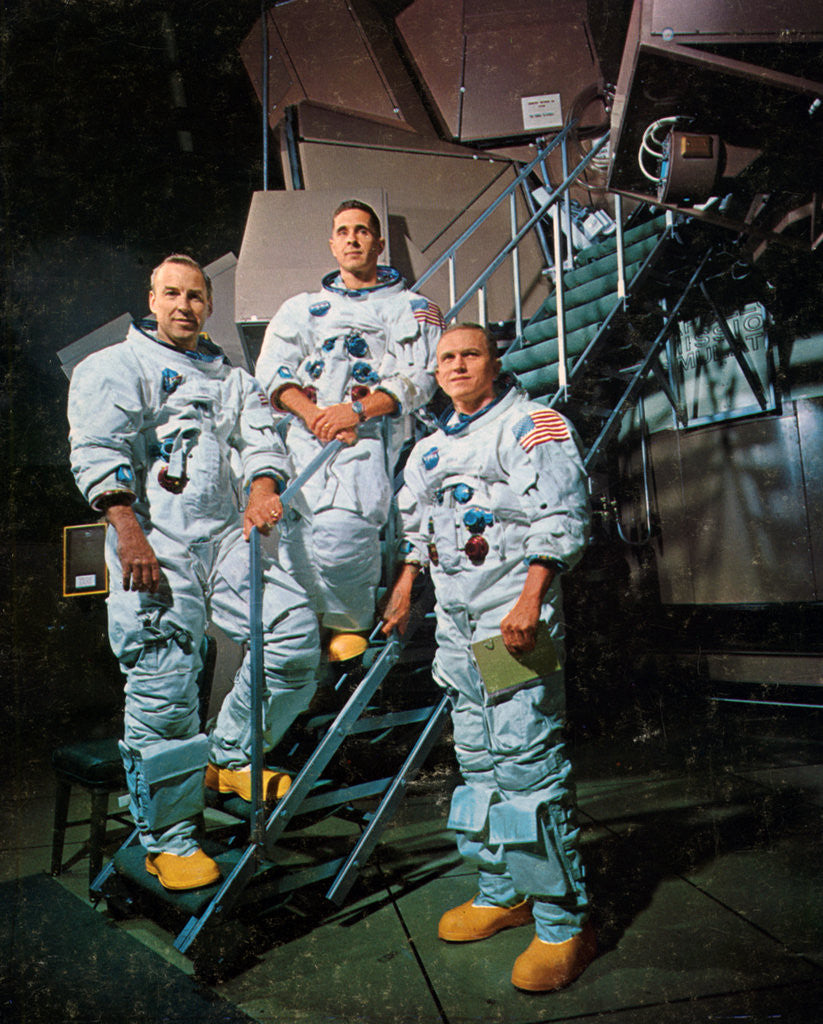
<point x="466" y="370"/>
<point x="355" y="245"/>
<point x="180" y="302"/>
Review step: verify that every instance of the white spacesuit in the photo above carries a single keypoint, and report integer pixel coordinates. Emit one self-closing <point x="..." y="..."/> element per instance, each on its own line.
<point x="170" y="427"/>
<point x="483" y="497"/>
<point x="338" y="345"/>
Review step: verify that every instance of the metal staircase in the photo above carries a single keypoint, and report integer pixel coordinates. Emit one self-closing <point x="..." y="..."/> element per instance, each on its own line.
<point x="266" y="856"/>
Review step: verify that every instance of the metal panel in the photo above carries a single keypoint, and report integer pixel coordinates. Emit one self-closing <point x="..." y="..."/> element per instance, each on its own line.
<point x="810" y="429"/>
<point x="762" y="667"/>
<point x="744" y="529"/>
<point x="673" y="548"/>
<point x="221" y="326"/>
<point x="433" y="34"/>
<point x="554" y="58"/>
<point x="433" y="199"/>
<point x="463" y="53"/>
<point x="334" y="53"/>
<point x="731" y="18"/>
<point x="285" y="246"/>
<point x="435" y="189"/>
<point x="109" y="334"/>
<point x="751" y="95"/>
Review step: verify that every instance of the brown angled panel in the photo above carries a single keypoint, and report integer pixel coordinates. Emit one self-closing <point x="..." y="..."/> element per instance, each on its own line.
<point x="480" y="60"/>
<point x="554" y="58"/>
<point x="432" y="32"/>
<point x="285" y="248"/>
<point x="333" y="53"/>
<point x="734" y="20"/>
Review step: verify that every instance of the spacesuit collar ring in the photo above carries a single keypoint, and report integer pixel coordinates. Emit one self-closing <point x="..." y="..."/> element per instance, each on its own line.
<point x="386" y="277"/>
<point x="450" y="424"/>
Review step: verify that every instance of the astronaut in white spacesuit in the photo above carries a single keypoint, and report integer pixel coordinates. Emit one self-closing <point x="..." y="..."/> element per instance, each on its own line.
<point x="495" y="504"/>
<point x="164" y="433"/>
<point x="349" y="361"/>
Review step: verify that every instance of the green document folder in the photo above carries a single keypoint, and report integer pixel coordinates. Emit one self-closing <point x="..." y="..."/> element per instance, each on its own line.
<point x="504" y="673"/>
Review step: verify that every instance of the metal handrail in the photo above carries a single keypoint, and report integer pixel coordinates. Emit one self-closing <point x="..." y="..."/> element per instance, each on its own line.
<point x="449" y="253"/>
<point x="481" y="280"/>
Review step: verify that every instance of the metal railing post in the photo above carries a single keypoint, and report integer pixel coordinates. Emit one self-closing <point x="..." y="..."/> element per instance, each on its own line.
<point x="621" y="255"/>
<point x="518" y="311"/>
<point x="567" y="206"/>
<point x="257" y="813"/>
<point x="562" y="378"/>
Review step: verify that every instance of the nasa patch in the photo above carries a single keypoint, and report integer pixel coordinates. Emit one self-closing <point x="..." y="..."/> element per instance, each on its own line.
<point x="431" y="458"/>
<point x="320" y="308"/>
<point x="171" y="381"/>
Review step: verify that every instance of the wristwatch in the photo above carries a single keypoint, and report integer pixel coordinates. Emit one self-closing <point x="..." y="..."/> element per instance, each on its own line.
<point x="359" y="410"/>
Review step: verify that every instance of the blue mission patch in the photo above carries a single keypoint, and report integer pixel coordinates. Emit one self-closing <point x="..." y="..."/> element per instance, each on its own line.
<point x="171" y="381"/>
<point x="320" y="308"/>
<point x="431" y="458"/>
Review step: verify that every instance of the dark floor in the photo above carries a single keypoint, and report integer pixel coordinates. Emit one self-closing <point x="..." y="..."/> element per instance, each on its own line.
<point x="702" y="837"/>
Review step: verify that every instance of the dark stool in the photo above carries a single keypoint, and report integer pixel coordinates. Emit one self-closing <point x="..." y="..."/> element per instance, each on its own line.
<point x="95" y="765"/>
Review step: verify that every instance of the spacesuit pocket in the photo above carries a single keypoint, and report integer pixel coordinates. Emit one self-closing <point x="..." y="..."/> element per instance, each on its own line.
<point x="149" y="639"/>
<point x="445" y="537"/>
<point x="166" y="780"/>
<point x="208" y="490"/>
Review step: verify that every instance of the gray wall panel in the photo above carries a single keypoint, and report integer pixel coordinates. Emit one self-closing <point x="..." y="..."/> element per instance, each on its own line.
<point x="285" y="246"/>
<point x="738" y="528"/>
<point x="810" y="430"/>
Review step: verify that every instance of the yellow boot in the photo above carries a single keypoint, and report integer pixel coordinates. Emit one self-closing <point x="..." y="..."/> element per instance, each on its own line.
<point x="345" y="646"/>
<point x="180" y="873"/>
<point x="546" y="966"/>
<point x="227" y="780"/>
<point x="468" y="923"/>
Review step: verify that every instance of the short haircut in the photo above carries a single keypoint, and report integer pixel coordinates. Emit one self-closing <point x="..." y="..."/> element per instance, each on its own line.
<point x="356" y="204"/>
<point x="491" y="344"/>
<point x="185" y="261"/>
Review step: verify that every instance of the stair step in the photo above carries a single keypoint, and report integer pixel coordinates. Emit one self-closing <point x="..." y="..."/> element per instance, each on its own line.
<point x="130" y="864"/>
<point x="655" y="226"/>
<point x="593" y="281"/>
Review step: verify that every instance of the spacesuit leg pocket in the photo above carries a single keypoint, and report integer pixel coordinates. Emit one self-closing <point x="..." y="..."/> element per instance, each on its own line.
<point x="165" y="781"/>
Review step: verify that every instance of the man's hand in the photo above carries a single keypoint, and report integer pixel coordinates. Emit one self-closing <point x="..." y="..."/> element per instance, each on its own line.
<point x="263" y="509"/>
<point x="519" y="627"/>
<point x="325" y="427"/>
<point x="141" y="570"/>
<point x="335" y="421"/>
<point x="398" y="606"/>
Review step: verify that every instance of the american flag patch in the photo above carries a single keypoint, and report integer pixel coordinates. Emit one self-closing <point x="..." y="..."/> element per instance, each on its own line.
<point x="429" y="314"/>
<point x="539" y="427"/>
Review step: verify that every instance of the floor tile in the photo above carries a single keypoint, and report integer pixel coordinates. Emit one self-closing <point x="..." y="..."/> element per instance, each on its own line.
<point x="681" y="945"/>
<point x="357" y="967"/>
